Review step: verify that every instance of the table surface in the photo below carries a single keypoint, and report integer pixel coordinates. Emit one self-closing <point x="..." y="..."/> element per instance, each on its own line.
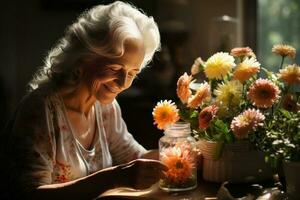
<point x="204" y="191"/>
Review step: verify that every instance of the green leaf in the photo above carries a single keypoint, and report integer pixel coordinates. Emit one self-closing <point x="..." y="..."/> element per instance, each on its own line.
<point x="218" y="150"/>
<point x="286" y="113"/>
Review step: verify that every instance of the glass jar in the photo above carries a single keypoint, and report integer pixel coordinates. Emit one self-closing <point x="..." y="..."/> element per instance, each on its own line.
<point x="176" y="151"/>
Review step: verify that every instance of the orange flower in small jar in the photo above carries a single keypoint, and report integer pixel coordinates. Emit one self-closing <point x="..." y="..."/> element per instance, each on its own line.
<point x="180" y="164"/>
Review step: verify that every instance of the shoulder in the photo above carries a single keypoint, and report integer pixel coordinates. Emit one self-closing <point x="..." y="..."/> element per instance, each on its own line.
<point x="32" y="107"/>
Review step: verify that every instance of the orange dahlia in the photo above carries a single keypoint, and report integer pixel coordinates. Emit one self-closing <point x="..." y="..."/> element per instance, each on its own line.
<point x="202" y="94"/>
<point x="246" y="69"/>
<point x="206" y="115"/>
<point x="284" y="50"/>
<point x="180" y="164"/>
<point x="290" y="74"/>
<point x="248" y="121"/>
<point x="241" y="52"/>
<point x="263" y="93"/>
<point x="183" y="90"/>
<point x="165" y="113"/>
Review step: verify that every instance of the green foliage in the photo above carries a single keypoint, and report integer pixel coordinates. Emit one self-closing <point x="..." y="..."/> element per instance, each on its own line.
<point x="279" y="138"/>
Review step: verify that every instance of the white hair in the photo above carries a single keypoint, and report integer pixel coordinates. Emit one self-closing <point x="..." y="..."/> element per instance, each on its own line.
<point x="100" y="31"/>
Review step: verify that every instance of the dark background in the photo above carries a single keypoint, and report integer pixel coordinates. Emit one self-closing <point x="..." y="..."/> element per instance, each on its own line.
<point x="189" y="29"/>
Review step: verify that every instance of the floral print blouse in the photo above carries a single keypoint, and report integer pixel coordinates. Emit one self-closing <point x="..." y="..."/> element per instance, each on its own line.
<point x="43" y="150"/>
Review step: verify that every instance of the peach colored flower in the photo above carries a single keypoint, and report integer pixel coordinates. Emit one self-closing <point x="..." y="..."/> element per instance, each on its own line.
<point x="198" y="63"/>
<point x="241" y="52"/>
<point x="246" y="69"/>
<point x="263" y="93"/>
<point x="248" y="121"/>
<point x="180" y="164"/>
<point x="202" y="94"/>
<point x="218" y="65"/>
<point x="284" y="50"/>
<point x="165" y="113"/>
<point x="206" y="115"/>
<point x="183" y="90"/>
<point x="290" y="74"/>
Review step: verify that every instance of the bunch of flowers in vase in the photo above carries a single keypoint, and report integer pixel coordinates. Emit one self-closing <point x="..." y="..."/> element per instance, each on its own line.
<point x="235" y="101"/>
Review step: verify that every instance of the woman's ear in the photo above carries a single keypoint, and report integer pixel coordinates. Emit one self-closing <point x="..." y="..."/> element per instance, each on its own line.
<point x="78" y="73"/>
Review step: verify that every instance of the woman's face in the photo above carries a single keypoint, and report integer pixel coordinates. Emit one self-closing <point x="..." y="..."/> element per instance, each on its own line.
<point x="113" y="76"/>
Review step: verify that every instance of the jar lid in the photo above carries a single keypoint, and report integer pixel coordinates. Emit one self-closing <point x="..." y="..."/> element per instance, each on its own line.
<point x="179" y="129"/>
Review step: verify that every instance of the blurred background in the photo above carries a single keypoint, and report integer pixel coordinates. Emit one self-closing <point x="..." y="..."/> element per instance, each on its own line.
<point x="189" y="29"/>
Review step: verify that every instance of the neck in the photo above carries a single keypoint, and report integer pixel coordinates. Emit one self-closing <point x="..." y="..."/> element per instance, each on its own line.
<point x="78" y="100"/>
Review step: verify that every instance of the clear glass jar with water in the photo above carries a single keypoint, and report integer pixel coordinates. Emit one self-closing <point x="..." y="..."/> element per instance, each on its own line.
<point x="176" y="151"/>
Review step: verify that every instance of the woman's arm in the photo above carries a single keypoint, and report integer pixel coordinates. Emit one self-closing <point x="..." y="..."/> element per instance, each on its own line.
<point x="138" y="174"/>
<point x="88" y="187"/>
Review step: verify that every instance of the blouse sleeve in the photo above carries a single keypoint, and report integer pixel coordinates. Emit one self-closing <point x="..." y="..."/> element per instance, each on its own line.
<point x="123" y="147"/>
<point x="31" y="145"/>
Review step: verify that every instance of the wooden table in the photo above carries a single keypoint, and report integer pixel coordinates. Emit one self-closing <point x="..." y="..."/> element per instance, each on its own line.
<point x="204" y="191"/>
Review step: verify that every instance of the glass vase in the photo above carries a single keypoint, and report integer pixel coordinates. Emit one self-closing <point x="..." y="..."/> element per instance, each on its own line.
<point x="176" y="151"/>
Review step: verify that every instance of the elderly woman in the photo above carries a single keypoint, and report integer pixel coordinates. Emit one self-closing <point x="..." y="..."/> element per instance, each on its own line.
<point x="67" y="139"/>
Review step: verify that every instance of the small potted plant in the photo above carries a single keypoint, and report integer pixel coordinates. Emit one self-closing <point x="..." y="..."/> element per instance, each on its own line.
<point x="228" y="110"/>
<point x="281" y="143"/>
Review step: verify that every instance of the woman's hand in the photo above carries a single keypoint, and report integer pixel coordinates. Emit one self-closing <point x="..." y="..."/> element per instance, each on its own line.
<point x="141" y="173"/>
<point x="151" y="154"/>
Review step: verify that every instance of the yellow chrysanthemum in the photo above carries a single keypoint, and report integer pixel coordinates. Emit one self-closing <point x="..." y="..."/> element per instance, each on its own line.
<point x="284" y="50"/>
<point x="290" y="74"/>
<point x="229" y="94"/>
<point x="246" y="69"/>
<point x="218" y="65"/>
<point x="165" y="113"/>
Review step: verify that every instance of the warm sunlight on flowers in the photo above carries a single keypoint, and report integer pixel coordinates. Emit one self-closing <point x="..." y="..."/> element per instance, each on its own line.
<point x="202" y="94"/>
<point x="165" y="113"/>
<point x="183" y="89"/>
<point x="180" y="164"/>
<point x="241" y="52"/>
<point x="238" y="98"/>
<point x="248" y="121"/>
<point x="218" y="65"/>
<point x="206" y="115"/>
<point x="246" y="69"/>
<point x="290" y="74"/>
<point x="263" y="93"/>
<point x="284" y="50"/>
<point x="229" y="94"/>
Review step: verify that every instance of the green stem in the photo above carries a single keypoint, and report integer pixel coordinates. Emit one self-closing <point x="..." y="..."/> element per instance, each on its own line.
<point x="281" y="64"/>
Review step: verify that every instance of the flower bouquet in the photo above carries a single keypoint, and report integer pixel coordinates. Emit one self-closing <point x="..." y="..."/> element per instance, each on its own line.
<point x="231" y="108"/>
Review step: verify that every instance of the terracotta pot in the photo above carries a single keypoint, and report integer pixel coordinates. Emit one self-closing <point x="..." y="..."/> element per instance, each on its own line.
<point x="237" y="163"/>
<point x="292" y="178"/>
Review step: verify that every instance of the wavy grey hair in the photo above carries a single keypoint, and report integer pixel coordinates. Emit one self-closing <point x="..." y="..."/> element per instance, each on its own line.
<point x="98" y="32"/>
